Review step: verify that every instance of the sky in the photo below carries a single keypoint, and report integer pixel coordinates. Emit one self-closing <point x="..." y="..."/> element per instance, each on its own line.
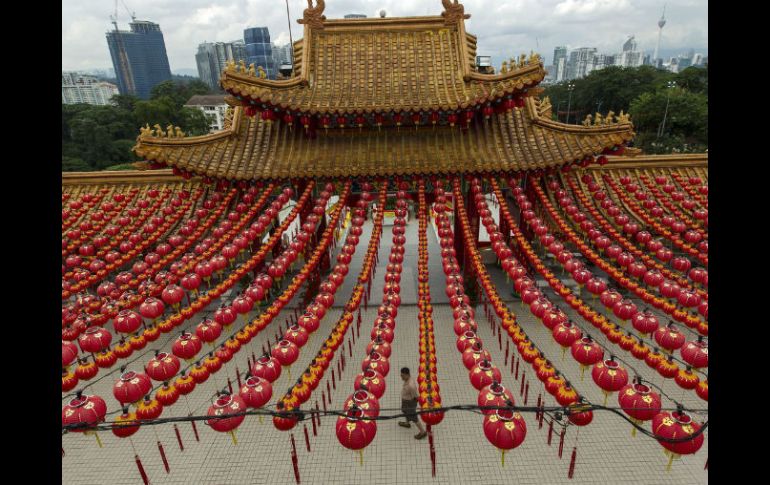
<point x="505" y="28"/>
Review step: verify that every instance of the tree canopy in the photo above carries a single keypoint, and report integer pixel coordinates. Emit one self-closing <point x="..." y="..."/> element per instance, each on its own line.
<point x="642" y="92"/>
<point x="98" y="137"/>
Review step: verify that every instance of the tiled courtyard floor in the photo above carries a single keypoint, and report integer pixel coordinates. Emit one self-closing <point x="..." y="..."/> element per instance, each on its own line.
<point x="606" y="452"/>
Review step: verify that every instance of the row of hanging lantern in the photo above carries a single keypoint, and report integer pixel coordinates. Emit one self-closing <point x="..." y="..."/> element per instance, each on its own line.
<point x="664" y="192"/>
<point x="128" y="321"/>
<point x="143" y="273"/>
<point x="674" y="226"/>
<point x="257" y="389"/>
<point x="461" y="117"/>
<point x="687" y="242"/>
<point x="131" y="244"/>
<point x="355" y="430"/>
<point x="87" y="237"/>
<point x="654" y="278"/>
<point x="651" y="278"/>
<point x="668" y="337"/>
<point x="694" y="188"/>
<point x="286" y="351"/>
<point x="654" y="260"/>
<point x="427" y="377"/>
<point x="164" y="367"/>
<point x="310" y="379"/>
<point x="504" y="428"/>
<point x="637" y="400"/>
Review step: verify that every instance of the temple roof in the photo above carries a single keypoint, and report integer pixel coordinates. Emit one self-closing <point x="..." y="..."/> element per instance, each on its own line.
<point x="372" y="65"/>
<point x="252" y="148"/>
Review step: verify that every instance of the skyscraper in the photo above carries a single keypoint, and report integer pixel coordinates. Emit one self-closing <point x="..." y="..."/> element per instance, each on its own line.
<point x="259" y="50"/>
<point x="212" y="59"/>
<point x="139" y="58"/>
<point x="559" y="63"/>
<point x="580" y="62"/>
<point x="282" y="54"/>
<point x="630" y="57"/>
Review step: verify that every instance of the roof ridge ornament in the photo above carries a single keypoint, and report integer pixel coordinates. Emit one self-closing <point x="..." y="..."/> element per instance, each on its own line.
<point x="453" y="12"/>
<point x="313" y="16"/>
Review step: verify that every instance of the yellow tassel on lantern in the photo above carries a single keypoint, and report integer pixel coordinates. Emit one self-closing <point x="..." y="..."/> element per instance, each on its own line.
<point x="260" y="419"/>
<point x="288" y="370"/>
<point x="502" y="458"/>
<point x="232" y="435"/>
<point x="606" y="395"/>
<point x="583" y="371"/>
<point x="563" y="352"/>
<point x="670" y="460"/>
<point x="360" y="457"/>
<point x="98" y="440"/>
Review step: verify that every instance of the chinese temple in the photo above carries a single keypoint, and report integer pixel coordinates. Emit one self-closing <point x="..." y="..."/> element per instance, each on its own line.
<point x="387" y="205"/>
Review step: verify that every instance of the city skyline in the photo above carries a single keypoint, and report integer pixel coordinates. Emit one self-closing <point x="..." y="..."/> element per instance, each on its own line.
<point x="501" y="28"/>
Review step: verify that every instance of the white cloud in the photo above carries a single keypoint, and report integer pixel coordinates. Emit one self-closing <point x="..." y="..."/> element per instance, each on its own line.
<point x="504" y="28"/>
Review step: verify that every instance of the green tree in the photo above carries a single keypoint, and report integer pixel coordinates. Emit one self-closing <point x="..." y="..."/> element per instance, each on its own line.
<point x="72" y="164"/>
<point x="612" y="88"/>
<point x="694" y="79"/>
<point x="686" y="126"/>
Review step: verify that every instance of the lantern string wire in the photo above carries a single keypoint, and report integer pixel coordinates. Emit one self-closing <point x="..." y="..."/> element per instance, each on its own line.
<point x="560" y="412"/>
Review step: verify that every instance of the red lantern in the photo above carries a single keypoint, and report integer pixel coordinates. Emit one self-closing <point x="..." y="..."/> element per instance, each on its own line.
<point x="94" y="339"/>
<point x="494" y="395"/>
<point x="69" y="353"/>
<point x="354" y="431"/>
<point x="127" y="321"/>
<point x="483" y="374"/>
<point x="696" y="353"/>
<point x="645" y="322"/>
<point x="225" y="316"/>
<point x="125" y="425"/>
<point x="89" y="410"/>
<point x="505" y="429"/>
<point x="566" y="334"/>
<point x="285" y="352"/>
<point x="639" y="402"/>
<point x="256" y="392"/>
<point x="372" y="380"/>
<point x="586" y="352"/>
<point x="226" y="405"/>
<point x="131" y="387"/>
<point x="151" y="308"/>
<point x="186" y="346"/>
<point x="677" y="425"/>
<point x="267" y="368"/>
<point x="167" y="395"/>
<point x="364" y="400"/>
<point x="162" y="367"/>
<point x="377" y="362"/>
<point x="208" y="330"/>
<point x="609" y="376"/>
<point x="669" y="337"/>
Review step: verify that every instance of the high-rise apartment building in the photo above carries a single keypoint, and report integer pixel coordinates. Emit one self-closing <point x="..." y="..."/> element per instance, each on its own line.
<point x="559" y="63"/>
<point x="580" y="62"/>
<point x="139" y="58"/>
<point x="282" y="54"/>
<point x="80" y="88"/>
<point x="630" y="57"/>
<point x="259" y="50"/>
<point x="212" y="59"/>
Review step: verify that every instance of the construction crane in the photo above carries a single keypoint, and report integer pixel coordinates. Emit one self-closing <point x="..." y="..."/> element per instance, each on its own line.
<point x="125" y="67"/>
